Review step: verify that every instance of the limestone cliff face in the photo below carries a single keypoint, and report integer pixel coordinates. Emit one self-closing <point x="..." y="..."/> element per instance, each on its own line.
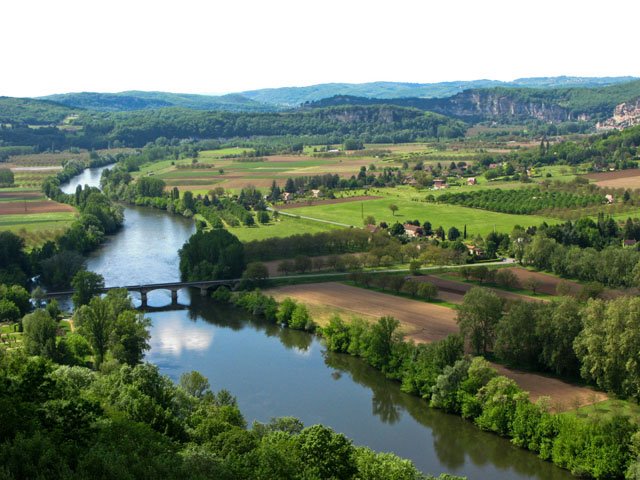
<point x="487" y="104"/>
<point x="624" y="115"/>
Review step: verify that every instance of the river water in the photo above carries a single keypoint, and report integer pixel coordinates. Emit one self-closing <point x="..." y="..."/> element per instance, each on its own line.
<point x="278" y="372"/>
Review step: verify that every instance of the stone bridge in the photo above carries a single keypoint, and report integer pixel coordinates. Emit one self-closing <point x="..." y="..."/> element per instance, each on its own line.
<point x="173" y="287"/>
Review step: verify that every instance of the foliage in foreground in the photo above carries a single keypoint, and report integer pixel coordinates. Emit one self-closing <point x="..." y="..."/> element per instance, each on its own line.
<point x="440" y="374"/>
<point x="58" y="421"/>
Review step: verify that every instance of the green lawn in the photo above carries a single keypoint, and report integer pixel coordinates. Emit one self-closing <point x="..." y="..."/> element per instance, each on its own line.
<point x="284" y="227"/>
<point x="478" y="222"/>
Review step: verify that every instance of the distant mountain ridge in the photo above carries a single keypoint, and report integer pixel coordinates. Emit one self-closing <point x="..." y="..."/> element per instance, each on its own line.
<point x="274" y="99"/>
<point x="294" y="96"/>
<point x="139" y="100"/>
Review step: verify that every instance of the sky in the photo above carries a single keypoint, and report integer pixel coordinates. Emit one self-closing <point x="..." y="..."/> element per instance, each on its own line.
<point x="222" y="46"/>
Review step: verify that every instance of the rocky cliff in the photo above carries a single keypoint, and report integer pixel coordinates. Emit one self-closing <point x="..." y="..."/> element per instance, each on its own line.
<point x="625" y="115"/>
<point x="504" y="105"/>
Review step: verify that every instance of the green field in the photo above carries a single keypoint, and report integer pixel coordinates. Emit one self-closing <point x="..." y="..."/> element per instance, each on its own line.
<point x="283" y="227"/>
<point x="37" y="228"/>
<point x="478" y="222"/>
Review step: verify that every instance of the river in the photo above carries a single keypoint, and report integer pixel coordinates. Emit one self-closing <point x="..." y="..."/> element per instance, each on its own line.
<point x="277" y="372"/>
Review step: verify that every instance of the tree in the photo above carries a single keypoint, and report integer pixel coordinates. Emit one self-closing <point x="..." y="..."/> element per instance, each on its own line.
<point x="453" y="234"/>
<point x="506" y="278"/>
<point x="532" y="283"/>
<point x="286" y="267"/>
<point x="95" y="323"/>
<point x="289" y="186"/>
<point x="129" y="337"/>
<point x="300" y="319"/>
<point x="86" y="284"/>
<point x="263" y="217"/>
<point x="396" y="229"/>
<point x="285" y="311"/>
<point x="255" y="274"/>
<point x="478" y="316"/>
<point x="8" y="311"/>
<point x="608" y="345"/>
<point x="195" y="384"/>
<point x="394" y="208"/>
<point x="40" y="334"/>
<point x="302" y="263"/>
<point x="369" y="220"/>
<point x="556" y="333"/>
<point x="414" y="267"/>
<point x="326" y="454"/>
<point x="381" y="340"/>
<point x="212" y="255"/>
<point x="517" y="341"/>
<point x="6" y="177"/>
<point x="427" y="290"/>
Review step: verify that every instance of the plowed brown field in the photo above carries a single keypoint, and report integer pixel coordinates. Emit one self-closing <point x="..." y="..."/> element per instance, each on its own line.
<point x="425" y="322"/>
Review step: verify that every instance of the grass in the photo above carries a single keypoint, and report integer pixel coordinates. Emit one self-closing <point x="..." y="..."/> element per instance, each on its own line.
<point x="37" y="228"/>
<point x="478" y="222"/>
<point x="283" y="227"/>
<point x="9" y="335"/>
<point x="607" y="409"/>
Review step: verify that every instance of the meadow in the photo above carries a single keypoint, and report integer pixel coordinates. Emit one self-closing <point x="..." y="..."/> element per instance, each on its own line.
<point x="410" y="207"/>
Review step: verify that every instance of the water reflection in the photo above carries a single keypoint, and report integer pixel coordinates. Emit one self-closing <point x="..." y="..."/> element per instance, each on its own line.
<point x="276" y="372"/>
<point x="173" y="338"/>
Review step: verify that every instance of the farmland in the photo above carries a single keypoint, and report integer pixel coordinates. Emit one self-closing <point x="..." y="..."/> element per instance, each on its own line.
<point x="29" y="214"/>
<point x="617" y="179"/>
<point x="422" y="322"/>
<point x="410" y="208"/>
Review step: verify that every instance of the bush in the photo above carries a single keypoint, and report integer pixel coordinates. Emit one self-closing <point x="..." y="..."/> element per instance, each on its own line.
<point x="427" y="291"/>
<point x="221" y="294"/>
<point x="506" y="279"/>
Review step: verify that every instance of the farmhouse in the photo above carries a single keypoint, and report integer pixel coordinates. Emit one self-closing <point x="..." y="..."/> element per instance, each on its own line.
<point x="439" y="183"/>
<point x="286" y="196"/>
<point x="629" y="243"/>
<point x="372" y="228"/>
<point x="475" y="251"/>
<point x="471" y="181"/>
<point x="609" y="198"/>
<point x="412" y="230"/>
<point x="315" y="193"/>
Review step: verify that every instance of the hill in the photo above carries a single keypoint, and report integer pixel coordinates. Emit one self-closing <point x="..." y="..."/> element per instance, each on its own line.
<point x="138" y="100"/>
<point x="513" y="104"/>
<point x="33" y="112"/>
<point x="294" y="96"/>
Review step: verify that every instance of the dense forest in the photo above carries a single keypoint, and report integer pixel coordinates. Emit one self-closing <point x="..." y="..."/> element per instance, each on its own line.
<point x="135" y="129"/>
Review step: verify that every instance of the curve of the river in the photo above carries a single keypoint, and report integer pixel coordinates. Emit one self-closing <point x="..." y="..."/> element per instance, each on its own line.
<point x="277" y="372"/>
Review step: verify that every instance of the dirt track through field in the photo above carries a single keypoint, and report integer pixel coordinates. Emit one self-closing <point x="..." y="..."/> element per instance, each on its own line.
<point x="425" y="322"/>
<point x="456" y="290"/>
<point x="328" y="201"/>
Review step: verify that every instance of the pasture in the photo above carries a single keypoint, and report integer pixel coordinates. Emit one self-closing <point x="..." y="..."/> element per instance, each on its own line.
<point x="478" y="222"/>
<point x="282" y="227"/>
